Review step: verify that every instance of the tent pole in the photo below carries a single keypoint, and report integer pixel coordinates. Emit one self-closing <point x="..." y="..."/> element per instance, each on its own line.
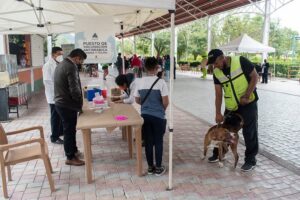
<point x="152" y="43"/>
<point x="123" y="61"/>
<point x="274" y="65"/>
<point x="170" y="96"/>
<point x="122" y="52"/>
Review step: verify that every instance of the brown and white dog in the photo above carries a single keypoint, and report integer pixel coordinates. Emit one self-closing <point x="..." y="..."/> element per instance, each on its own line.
<point x="223" y="135"/>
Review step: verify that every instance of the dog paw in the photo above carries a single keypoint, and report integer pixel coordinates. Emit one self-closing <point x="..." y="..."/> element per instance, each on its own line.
<point x="202" y="157"/>
<point x="221" y="165"/>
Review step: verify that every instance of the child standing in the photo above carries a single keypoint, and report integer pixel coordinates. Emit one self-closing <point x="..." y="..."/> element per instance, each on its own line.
<point x="152" y="94"/>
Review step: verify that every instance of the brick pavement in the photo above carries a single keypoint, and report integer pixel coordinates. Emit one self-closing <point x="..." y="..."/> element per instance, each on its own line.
<point x="114" y="172"/>
<point x="278" y="116"/>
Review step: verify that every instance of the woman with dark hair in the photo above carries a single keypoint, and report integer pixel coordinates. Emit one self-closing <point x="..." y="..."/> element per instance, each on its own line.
<point x="127" y="84"/>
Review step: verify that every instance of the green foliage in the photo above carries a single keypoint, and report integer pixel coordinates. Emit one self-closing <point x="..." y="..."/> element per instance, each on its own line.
<point x="236" y="25"/>
<point x="182" y="43"/>
<point x="194" y="64"/>
<point x="197" y="39"/>
<point x="128" y="46"/>
<point x="182" y="62"/>
<point x="143" y="44"/>
<point x="162" y="43"/>
<point x="281" y="39"/>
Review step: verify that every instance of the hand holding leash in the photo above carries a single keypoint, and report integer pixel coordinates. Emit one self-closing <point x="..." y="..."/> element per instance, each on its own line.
<point x="219" y="118"/>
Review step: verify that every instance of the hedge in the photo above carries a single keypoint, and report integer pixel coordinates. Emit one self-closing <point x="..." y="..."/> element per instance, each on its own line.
<point x="281" y="67"/>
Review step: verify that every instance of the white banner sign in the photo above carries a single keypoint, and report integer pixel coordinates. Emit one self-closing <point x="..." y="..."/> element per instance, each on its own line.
<point x="96" y="37"/>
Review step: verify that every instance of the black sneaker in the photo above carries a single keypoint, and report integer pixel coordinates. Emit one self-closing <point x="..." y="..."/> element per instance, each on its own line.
<point x="151" y="170"/>
<point x="213" y="159"/>
<point x="160" y="170"/>
<point x="58" y="141"/>
<point x="247" y="167"/>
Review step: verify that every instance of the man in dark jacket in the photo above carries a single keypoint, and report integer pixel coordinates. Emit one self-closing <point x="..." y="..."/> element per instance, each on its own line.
<point x="68" y="101"/>
<point x="265" y="71"/>
<point x="119" y="64"/>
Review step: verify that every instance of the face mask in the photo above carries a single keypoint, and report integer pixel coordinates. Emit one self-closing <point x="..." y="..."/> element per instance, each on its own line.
<point x="59" y="58"/>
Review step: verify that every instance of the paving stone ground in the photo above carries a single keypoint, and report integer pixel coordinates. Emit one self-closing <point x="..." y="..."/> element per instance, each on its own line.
<point x="114" y="172"/>
<point x="278" y="113"/>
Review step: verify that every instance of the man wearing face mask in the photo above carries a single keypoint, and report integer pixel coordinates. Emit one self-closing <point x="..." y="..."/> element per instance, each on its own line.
<point x="68" y="101"/>
<point x="48" y="79"/>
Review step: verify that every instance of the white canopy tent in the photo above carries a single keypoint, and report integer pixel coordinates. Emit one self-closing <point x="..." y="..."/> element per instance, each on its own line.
<point x="48" y="16"/>
<point x="57" y="16"/>
<point x="245" y="44"/>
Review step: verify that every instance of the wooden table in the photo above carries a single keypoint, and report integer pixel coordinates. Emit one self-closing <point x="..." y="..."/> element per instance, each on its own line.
<point x="90" y="119"/>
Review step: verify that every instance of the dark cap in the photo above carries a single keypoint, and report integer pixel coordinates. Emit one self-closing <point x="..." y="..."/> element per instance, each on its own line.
<point x="213" y="55"/>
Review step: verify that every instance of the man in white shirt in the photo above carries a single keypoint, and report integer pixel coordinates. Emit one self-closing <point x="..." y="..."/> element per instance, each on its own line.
<point x="48" y="79"/>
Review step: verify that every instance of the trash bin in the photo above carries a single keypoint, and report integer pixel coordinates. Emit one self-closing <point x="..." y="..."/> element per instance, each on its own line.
<point x="4" y="104"/>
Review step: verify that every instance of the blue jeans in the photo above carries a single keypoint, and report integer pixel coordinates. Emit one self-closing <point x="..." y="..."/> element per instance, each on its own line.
<point x="69" y="120"/>
<point x="167" y="75"/>
<point x="153" y="131"/>
<point x="56" y="124"/>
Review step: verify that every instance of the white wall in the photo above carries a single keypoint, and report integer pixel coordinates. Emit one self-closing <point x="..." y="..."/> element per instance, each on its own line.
<point x="2" y="44"/>
<point x="37" y="50"/>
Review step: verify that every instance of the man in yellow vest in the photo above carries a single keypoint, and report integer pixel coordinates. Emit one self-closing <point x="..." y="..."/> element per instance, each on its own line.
<point x="236" y="77"/>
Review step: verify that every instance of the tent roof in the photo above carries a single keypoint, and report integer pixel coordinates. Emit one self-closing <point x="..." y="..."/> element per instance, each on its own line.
<point x="22" y="17"/>
<point x="245" y="44"/>
<point x="57" y="16"/>
<point x="187" y="11"/>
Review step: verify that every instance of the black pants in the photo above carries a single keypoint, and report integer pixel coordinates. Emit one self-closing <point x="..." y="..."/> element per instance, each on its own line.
<point x="250" y="131"/>
<point x="69" y="120"/>
<point x="140" y="72"/>
<point x="265" y="78"/>
<point x="120" y="70"/>
<point x="153" y="131"/>
<point x="174" y="72"/>
<point x="56" y="124"/>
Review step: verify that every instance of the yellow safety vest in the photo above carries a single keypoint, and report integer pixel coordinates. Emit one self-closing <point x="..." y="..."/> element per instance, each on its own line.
<point x="235" y="85"/>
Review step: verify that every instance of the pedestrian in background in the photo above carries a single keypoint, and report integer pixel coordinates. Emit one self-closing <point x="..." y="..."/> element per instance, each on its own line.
<point x="265" y="71"/>
<point x="136" y="64"/>
<point x="167" y="67"/>
<point x="119" y="64"/>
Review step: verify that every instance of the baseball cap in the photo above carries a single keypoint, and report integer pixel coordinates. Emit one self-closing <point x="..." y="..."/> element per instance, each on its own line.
<point x="213" y="55"/>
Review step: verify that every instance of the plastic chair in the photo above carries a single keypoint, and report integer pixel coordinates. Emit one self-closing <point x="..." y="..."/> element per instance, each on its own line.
<point x="14" y="153"/>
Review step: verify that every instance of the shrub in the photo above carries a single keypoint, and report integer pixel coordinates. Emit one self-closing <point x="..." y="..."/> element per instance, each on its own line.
<point x="195" y="64"/>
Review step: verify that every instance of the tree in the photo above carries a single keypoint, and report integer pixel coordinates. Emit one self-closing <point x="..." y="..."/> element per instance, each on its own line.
<point x="281" y="38"/>
<point x="128" y="46"/>
<point x="54" y="38"/>
<point x="162" y="43"/>
<point x="181" y="43"/>
<point x="143" y="44"/>
<point x="197" y="43"/>
<point x="234" y="26"/>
